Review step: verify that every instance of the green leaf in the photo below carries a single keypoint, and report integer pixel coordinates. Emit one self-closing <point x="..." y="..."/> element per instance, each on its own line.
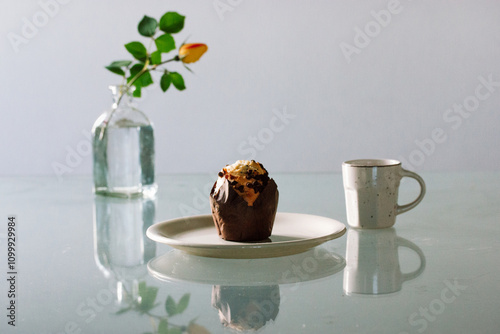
<point x="115" y="69"/>
<point x="137" y="49"/>
<point x="163" y="327"/>
<point x="142" y="288"/>
<point x="147" y="26"/>
<point x="172" y="22"/>
<point x="183" y="303"/>
<point x="165" y="81"/>
<point x="170" y="306"/>
<point x="144" y="80"/>
<point x="148" y="296"/>
<point x="177" y="80"/>
<point x="156" y="58"/>
<point x="123" y="310"/>
<point x="116" y="66"/>
<point x="121" y="63"/>
<point x="174" y="331"/>
<point x="165" y="43"/>
<point x="137" y="92"/>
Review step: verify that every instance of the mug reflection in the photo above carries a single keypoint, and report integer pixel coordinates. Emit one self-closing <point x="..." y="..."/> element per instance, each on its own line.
<point x="372" y="262"/>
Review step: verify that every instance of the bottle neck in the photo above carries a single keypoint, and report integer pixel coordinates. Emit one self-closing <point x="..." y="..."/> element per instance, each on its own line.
<point x="124" y="110"/>
<point x="122" y="95"/>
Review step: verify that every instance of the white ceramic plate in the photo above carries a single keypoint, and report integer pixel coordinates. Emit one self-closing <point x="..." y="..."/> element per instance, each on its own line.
<point x="293" y="233"/>
<point x="314" y="264"/>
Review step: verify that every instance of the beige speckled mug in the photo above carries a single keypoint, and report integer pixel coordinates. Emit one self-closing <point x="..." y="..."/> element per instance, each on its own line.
<point x="371" y="192"/>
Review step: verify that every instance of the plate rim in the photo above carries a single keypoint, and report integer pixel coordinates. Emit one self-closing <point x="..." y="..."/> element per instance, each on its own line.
<point x="236" y="244"/>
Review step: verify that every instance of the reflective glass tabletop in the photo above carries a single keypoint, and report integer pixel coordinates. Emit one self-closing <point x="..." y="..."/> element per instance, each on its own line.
<point x="80" y="263"/>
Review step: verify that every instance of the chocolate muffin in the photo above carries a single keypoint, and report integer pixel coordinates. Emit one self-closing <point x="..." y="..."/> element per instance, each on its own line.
<point x="244" y="201"/>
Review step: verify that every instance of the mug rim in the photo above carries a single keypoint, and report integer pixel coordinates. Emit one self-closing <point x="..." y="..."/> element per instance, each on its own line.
<point x="371" y="163"/>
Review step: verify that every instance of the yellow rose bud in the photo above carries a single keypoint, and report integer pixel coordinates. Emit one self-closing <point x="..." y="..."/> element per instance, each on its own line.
<point x="190" y="53"/>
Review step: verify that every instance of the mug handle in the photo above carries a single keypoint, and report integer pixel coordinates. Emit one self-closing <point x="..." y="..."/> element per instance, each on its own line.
<point x="409" y="206"/>
<point x="408" y="244"/>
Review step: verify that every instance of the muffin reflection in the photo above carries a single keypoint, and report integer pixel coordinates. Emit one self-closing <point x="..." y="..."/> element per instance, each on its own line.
<point x="244" y="308"/>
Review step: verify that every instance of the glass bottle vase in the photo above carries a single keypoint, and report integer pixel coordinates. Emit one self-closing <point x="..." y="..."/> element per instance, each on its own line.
<point x="123" y="149"/>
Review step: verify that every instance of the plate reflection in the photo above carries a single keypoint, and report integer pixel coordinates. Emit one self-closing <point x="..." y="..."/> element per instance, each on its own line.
<point x="246" y="292"/>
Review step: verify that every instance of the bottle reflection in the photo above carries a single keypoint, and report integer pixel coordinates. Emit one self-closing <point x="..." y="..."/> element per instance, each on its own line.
<point x="373" y="262"/>
<point x="121" y="248"/>
<point x="243" y="308"/>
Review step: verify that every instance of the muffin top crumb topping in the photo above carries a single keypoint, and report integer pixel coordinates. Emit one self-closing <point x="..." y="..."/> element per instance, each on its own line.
<point x="247" y="177"/>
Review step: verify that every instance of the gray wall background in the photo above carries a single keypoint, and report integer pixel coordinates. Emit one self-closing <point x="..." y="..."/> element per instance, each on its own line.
<point x="421" y="85"/>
